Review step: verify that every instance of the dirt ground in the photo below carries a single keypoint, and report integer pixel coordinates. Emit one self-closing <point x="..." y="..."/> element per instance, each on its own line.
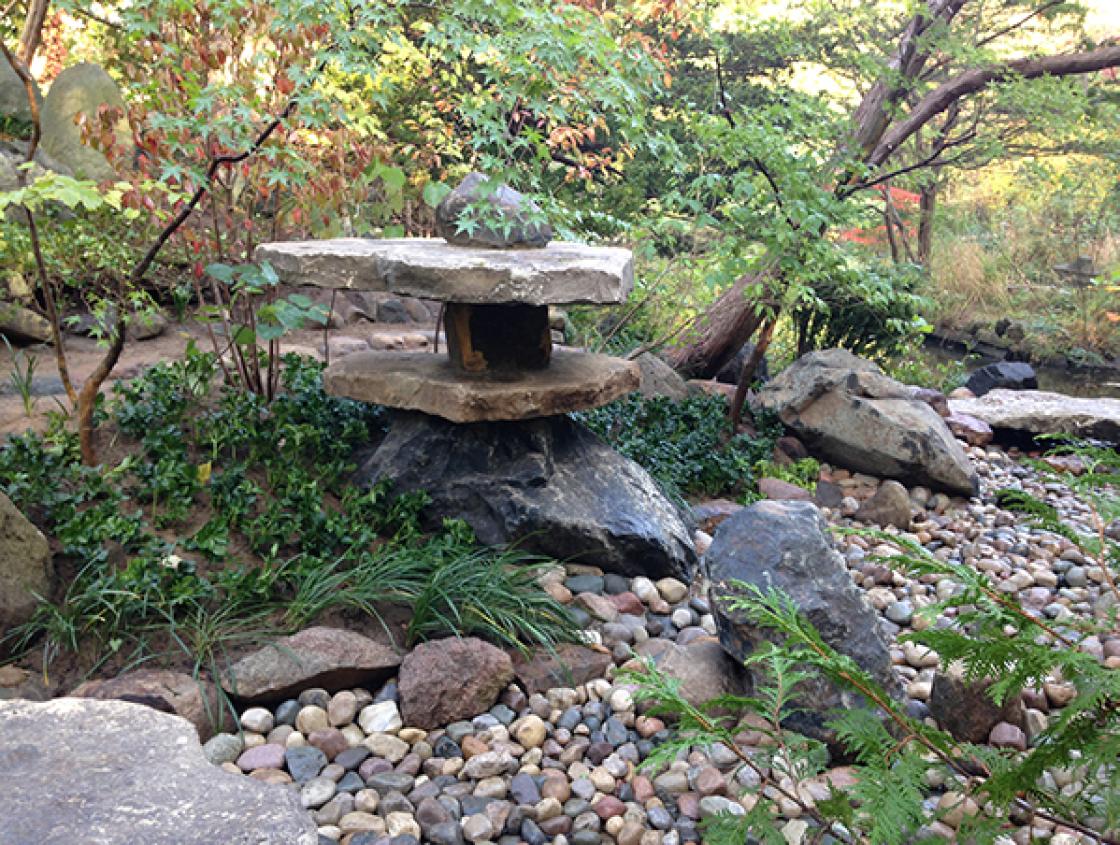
<point x="84" y="353"/>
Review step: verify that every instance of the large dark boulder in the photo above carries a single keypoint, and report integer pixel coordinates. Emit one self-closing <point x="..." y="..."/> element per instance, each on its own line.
<point x="786" y="545"/>
<point x="1006" y="375"/>
<point x="548" y="483"/>
<point x="845" y="409"/>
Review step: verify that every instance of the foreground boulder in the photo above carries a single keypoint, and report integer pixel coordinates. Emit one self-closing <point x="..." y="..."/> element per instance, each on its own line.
<point x="549" y="483"/>
<point x="115" y="773"/>
<point x="848" y="411"/>
<point x="786" y="546"/>
<point x="1033" y="412"/>
<point x="1007" y="375"/>
<point x="443" y="681"/>
<point x="195" y="699"/>
<point x="25" y="566"/>
<point x="331" y="658"/>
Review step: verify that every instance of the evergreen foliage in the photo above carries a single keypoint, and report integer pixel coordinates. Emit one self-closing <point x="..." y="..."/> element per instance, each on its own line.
<point x="992" y="637"/>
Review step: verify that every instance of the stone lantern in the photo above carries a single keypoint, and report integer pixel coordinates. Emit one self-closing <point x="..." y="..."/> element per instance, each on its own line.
<point x="483" y="428"/>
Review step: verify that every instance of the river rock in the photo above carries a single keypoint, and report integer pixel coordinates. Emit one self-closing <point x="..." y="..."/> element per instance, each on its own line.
<point x="116" y="773"/>
<point x="1035" y="412"/>
<point x="889" y="506"/>
<point x="25" y="566"/>
<point x="1009" y="375"/>
<point x="480" y="213"/>
<point x="81" y="89"/>
<point x="786" y="546"/>
<point x="331" y="658"/>
<point x="442" y="681"/>
<point x="704" y="669"/>
<point x="562" y="666"/>
<point x="195" y="699"/>
<point x="550" y="483"/>
<point x="846" y="409"/>
<point x="659" y="379"/>
<point x="972" y="431"/>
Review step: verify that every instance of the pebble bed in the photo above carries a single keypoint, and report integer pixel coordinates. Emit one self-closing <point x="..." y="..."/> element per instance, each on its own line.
<point x="561" y="767"/>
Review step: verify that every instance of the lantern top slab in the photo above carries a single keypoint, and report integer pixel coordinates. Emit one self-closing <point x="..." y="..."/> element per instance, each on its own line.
<point x="430" y="268"/>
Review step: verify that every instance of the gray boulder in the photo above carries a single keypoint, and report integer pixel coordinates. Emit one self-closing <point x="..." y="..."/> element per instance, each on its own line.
<point x="15" y="110"/>
<point x="20" y="324"/>
<point x="659" y="379"/>
<point x="1007" y="375"/>
<point x="81" y="89"/>
<point x="549" y="483"/>
<point x="25" y="566"/>
<point x="1033" y="412"/>
<point x="500" y="217"/>
<point x="844" y="408"/>
<point x="116" y="773"/>
<point x="786" y="545"/>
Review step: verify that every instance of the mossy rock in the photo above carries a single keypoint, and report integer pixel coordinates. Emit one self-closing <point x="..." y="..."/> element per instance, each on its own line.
<point x="81" y="89"/>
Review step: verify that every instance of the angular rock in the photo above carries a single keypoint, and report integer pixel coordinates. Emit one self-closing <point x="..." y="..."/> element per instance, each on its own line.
<point x="430" y="268"/>
<point x="196" y="700"/>
<point x="776" y="488"/>
<point x="116" y="773"/>
<point x="934" y="398"/>
<point x="420" y="381"/>
<point x="1034" y="412"/>
<point x="844" y="408"/>
<point x="787" y="546"/>
<point x="659" y="379"/>
<point x="1006" y="375"/>
<point x="565" y="666"/>
<point x="82" y="89"/>
<point x="25" y="566"/>
<point x="889" y="506"/>
<point x="443" y="681"/>
<point x="703" y="667"/>
<point x="22" y="325"/>
<point x="495" y="216"/>
<point x="966" y="710"/>
<point x="550" y="483"/>
<point x="973" y="431"/>
<point x="330" y="658"/>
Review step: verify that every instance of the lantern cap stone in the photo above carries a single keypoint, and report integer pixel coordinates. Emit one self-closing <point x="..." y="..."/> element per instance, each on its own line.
<point x="561" y="273"/>
<point x="422" y="381"/>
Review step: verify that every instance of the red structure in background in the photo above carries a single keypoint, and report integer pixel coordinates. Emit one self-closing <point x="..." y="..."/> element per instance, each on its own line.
<point x="905" y="203"/>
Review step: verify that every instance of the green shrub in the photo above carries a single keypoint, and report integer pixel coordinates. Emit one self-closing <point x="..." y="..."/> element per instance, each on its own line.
<point x="227" y="511"/>
<point x="688" y="446"/>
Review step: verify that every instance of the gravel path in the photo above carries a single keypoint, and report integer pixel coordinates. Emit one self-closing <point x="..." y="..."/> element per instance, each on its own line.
<point x="560" y="766"/>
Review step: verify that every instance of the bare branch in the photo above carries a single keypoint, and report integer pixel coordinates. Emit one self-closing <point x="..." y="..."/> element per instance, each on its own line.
<point x="976" y="80"/>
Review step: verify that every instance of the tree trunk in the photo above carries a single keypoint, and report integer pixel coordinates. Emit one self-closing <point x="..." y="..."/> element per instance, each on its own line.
<point x="927" y="207"/>
<point x="32" y="33"/>
<point x="728" y="323"/>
